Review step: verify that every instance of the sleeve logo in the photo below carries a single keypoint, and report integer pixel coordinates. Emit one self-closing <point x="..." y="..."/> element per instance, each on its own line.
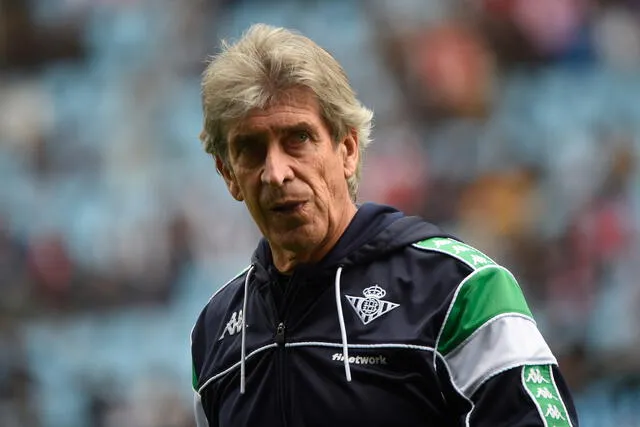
<point x="234" y="325"/>
<point x="468" y="254"/>
<point x="540" y="385"/>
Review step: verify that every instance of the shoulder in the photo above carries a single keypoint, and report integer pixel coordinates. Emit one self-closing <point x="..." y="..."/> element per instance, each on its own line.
<point x="206" y="330"/>
<point x="455" y="249"/>
<point x="218" y="303"/>
<point x="444" y="264"/>
<point x="229" y="288"/>
<point x="486" y="290"/>
<point x="487" y="327"/>
<point x="477" y="276"/>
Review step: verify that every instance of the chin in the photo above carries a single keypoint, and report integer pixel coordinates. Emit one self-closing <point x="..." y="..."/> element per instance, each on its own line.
<point x="297" y="240"/>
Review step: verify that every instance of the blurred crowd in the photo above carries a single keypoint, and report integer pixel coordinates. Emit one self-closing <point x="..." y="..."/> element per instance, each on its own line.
<point x="512" y="123"/>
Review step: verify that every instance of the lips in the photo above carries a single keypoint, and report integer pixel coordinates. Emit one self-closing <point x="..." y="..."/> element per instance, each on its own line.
<point x="288" y="206"/>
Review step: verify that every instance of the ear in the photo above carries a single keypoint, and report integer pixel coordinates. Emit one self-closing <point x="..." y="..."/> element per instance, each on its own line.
<point x="229" y="179"/>
<point x="350" y="153"/>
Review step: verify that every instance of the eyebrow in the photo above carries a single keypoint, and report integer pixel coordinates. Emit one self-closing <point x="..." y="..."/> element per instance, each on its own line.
<point x="249" y="135"/>
<point x="302" y="125"/>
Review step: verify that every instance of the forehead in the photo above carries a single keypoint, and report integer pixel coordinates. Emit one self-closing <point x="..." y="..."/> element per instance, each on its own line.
<point x="292" y="106"/>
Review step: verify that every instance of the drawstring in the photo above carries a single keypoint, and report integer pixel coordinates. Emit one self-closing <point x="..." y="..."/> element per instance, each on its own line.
<point x="343" y="329"/>
<point x="243" y="346"/>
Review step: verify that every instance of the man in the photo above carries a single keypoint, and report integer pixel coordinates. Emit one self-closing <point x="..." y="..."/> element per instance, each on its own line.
<point x="347" y="315"/>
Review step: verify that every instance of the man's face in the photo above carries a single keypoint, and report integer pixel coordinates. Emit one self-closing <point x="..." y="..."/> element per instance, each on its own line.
<point x="291" y="175"/>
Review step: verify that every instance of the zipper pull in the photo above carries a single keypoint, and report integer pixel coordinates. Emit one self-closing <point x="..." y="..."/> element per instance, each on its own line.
<point x="280" y="334"/>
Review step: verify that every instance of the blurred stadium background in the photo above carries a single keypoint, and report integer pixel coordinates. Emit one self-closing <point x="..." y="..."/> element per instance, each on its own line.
<point x="513" y="123"/>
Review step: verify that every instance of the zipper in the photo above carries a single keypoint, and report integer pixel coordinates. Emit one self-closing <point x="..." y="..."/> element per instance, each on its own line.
<point x="280" y="334"/>
<point x="281" y="370"/>
<point x="282" y="313"/>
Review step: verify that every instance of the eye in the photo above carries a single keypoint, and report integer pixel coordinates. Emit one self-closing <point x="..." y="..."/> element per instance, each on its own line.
<point x="249" y="151"/>
<point x="302" y="136"/>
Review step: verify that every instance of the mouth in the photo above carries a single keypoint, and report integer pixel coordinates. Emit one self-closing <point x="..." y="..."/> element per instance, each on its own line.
<point x="288" y="207"/>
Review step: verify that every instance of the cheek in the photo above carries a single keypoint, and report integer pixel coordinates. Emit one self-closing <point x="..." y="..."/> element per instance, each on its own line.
<point x="334" y="176"/>
<point x="324" y="181"/>
<point x="251" y="194"/>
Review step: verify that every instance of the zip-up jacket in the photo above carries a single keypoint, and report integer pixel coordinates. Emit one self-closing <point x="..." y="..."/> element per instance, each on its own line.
<point x="399" y="325"/>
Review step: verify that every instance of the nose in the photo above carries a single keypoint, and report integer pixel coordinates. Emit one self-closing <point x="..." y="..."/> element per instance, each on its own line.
<point x="277" y="167"/>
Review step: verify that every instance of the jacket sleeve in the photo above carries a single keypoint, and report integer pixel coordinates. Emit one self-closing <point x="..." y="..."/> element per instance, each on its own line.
<point x="525" y="396"/>
<point x="196" y="363"/>
<point x="493" y="354"/>
<point x="201" y="418"/>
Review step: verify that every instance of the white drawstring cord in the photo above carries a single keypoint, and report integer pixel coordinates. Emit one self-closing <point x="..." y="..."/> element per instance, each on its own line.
<point x="243" y="345"/>
<point x="343" y="329"/>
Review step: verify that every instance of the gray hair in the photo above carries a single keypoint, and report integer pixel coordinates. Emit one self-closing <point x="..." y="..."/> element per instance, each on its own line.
<point x="258" y="68"/>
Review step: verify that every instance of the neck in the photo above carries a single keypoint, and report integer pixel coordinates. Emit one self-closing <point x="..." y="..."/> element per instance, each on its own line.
<point x="286" y="260"/>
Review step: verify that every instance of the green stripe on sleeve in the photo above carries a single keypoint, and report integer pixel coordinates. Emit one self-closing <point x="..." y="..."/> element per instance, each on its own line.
<point x="483" y="295"/>
<point x="463" y="252"/>
<point x="539" y="383"/>
<point x="194" y="377"/>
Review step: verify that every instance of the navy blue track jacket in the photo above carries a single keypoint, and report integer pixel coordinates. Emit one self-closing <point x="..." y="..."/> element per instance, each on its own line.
<point x="399" y="325"/>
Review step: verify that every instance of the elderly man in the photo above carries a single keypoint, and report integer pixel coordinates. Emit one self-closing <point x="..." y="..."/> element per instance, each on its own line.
<point x="347" y="314"/>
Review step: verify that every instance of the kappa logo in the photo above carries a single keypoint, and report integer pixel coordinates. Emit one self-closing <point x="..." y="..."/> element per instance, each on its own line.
<point x="234" y="325"/>
<point x="460" y="250"/>
<point x="539" y="382"/>
<point x="372" y="305"/>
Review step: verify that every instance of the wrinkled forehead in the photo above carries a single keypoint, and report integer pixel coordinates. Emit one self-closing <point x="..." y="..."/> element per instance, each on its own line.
<point x="288" y="107"/>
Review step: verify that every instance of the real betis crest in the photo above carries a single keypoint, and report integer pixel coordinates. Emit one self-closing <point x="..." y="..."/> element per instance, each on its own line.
<point x="371" y="306"/>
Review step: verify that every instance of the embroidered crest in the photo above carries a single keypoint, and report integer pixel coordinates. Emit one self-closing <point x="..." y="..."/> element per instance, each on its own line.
<point x="372" y="305"/>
